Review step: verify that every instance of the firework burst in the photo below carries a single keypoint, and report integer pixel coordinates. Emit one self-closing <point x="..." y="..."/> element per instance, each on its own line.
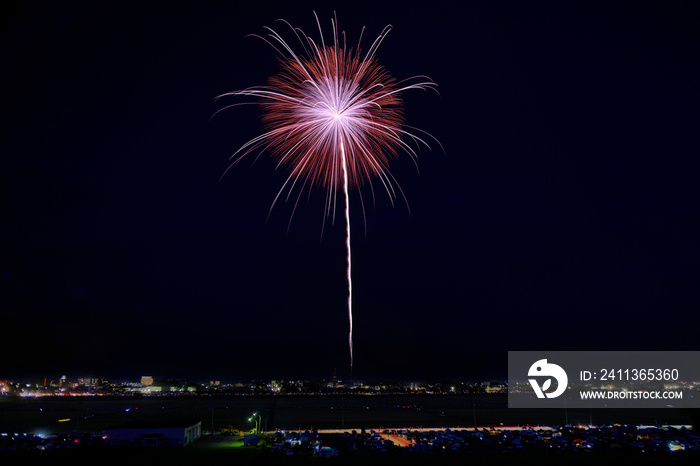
<point x="334" y="118"/>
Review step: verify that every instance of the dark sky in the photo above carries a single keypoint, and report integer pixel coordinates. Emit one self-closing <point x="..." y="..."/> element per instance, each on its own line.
<point x="563" y="213"/>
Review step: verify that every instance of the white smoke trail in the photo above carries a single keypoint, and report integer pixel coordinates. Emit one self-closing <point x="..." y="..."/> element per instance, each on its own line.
<point x="347" y="244"/>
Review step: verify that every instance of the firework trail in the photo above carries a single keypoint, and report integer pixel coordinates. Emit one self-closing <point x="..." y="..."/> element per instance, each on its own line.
<point x="334" y="118"/>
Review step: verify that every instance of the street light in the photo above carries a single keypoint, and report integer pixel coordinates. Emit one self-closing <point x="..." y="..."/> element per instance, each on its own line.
<point x="256" y="423"/>
<point x="260" y="421"/>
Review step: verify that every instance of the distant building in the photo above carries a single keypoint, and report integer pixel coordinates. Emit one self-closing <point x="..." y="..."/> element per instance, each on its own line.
<point x="151" y="389"/>
<point x="495" y="387"/>
<point x="86" y="381"/>
<point x="153" y="434"/>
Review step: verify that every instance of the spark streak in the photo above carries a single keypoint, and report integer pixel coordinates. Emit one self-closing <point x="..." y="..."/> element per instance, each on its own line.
<point x="335" y="119"/>
<point x="347" y="245"/>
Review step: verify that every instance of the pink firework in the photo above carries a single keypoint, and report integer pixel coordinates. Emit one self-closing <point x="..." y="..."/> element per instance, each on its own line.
<point x="334" y="118"/>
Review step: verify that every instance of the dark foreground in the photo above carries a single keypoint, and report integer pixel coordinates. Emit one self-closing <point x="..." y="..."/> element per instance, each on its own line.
<point x="312" y="412"/>
<point x="329" y="412"/>
<point x="212" y="454"/>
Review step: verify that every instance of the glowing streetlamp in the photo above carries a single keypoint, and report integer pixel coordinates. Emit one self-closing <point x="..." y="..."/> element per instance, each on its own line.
<point x="256" y="423"/>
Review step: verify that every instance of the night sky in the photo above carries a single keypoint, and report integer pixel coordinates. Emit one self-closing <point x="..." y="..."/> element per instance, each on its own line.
<point x="563" y="213"/>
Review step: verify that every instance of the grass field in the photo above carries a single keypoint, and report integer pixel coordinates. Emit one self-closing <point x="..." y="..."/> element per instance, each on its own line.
<point x="309" y="412"/>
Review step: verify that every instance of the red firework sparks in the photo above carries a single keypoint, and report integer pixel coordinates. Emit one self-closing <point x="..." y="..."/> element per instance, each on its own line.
<point x="335" y="119"/>
<point x="330" y="100"/>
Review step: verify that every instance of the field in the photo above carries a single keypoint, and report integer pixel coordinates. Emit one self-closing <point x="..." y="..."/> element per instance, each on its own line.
<point x="308" y="412"/>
